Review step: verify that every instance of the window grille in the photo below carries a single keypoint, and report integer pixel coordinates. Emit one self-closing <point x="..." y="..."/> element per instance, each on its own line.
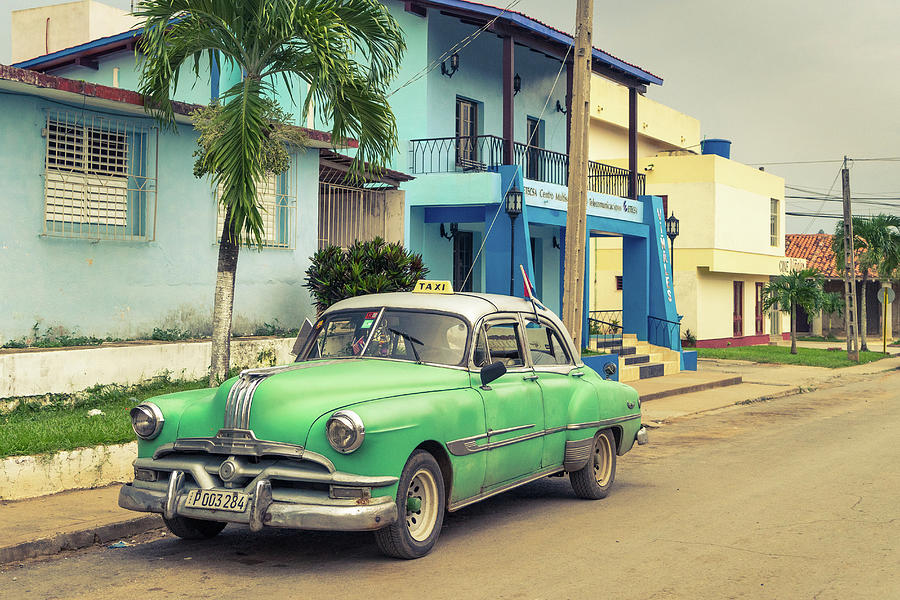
<point x="99" y="177"/>
<point x="348" y="214"/>
<point x="773" y="222"/>
<point x="277" y="199"/>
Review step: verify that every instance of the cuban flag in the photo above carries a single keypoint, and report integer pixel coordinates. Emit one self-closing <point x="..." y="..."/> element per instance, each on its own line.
<point x="529" y="290"/>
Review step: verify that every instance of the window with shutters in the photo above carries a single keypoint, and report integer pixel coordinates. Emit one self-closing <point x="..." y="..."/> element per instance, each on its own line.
<point x="276" y="195"/>
<point x="99" y="177"/>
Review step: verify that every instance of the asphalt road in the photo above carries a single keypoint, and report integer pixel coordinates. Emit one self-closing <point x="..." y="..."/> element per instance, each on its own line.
<point x="794" y="498"/>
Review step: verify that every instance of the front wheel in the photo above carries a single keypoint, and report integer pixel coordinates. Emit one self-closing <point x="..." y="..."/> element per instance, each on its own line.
<point x="194" y="529"/>
<point x="420" y="508"/>
<point x="594" y="480"/>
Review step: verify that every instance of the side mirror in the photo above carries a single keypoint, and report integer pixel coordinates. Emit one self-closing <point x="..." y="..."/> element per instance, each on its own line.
<point x="492" y="371"/>
<point x="610" y="369"/>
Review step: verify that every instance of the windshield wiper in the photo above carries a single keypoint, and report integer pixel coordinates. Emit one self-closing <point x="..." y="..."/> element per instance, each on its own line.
<point x="414" y="341"/>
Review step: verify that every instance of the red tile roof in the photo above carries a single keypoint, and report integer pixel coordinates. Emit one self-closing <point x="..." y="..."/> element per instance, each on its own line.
<point x="816" y="249"/>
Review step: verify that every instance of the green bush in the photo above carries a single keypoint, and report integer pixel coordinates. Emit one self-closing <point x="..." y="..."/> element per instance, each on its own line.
<point x="362" y="268"/>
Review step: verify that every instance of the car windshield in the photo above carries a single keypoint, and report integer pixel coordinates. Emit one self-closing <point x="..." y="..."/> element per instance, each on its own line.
<point x="399" y="334"/>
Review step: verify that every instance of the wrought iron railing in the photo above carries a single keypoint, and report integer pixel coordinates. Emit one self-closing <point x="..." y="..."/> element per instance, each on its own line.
<point x="662" y="332"/>
<point x="605" y="328"/>
<point x="541" y="164"/>
<point x="483" y="152"/>
<point x="611" y="180"/>
<point x="455" y="154"/>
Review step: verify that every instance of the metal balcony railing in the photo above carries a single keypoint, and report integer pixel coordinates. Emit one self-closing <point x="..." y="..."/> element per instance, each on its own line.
<point x="455" y="154"/>
<point x="484" y="152"/>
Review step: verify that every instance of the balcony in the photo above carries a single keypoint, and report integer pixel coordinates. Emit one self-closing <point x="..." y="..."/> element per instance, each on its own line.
<point x="485" y="153"/>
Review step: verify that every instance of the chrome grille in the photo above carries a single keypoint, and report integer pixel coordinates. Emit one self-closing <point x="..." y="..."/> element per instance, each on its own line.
<point x="240" y="397"/>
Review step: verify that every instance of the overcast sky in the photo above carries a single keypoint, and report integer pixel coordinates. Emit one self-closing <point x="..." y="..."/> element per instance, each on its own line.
<point x="785" y="80"/>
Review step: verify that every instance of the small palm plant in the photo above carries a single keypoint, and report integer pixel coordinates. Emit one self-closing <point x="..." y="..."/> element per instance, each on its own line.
<point x="832" y="304"/>
<point x="366" y="267"/>
<point x="797" y="288"/>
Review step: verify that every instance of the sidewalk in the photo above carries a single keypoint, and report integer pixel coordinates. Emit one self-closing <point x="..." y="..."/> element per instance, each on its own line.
<point x="76" y="519"/>
<point x="67" y="521"/>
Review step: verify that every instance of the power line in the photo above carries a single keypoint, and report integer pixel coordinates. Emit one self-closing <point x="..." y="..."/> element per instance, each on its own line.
<point x="826" y="161"/>
<point x="455" y="48"/>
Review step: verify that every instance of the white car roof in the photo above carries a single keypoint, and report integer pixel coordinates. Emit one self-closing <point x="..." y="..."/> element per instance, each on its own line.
<point x="468" y="305"/>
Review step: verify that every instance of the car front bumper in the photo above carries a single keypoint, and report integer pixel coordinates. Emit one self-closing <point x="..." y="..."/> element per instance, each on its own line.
<point x="361" y="514"/>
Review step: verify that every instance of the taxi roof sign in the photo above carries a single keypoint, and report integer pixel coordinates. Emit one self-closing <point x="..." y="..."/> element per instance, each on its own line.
<point x="425" y="286"/>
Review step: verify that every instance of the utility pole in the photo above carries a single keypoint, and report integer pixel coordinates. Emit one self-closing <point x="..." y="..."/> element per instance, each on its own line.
<point x="576" y="214"/>
<point x="850" y="324"/>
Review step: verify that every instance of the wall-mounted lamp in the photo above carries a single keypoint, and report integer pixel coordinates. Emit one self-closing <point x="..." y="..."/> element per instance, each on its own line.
<point x="555" y="242"/>
<point x="454" y="228"/>
<point x="517" y="84"/>
<point x="454" y="65"/>
<point x="649" y="167"/>
<point x="513" y="209"/>
<point x="559" y="108"/>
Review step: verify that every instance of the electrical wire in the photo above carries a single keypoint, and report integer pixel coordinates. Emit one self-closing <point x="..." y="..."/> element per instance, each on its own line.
<point x="460" y="45"/>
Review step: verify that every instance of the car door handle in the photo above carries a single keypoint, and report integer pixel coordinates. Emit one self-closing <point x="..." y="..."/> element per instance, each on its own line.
<point x="530" y="377"/>
<point x="577" y="373"/>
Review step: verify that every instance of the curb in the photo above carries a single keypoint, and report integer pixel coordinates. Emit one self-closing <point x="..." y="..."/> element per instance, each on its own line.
<point x="699" y="387"/>
<point x="73" y="540"/>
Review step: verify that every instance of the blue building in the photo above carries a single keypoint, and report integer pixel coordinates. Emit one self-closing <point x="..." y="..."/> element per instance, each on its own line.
<point x="482" y="102"/>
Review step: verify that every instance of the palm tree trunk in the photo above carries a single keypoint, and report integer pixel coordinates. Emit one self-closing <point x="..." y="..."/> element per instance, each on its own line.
<point x="793" y="328"/>
<point x="863" y="318"/>
<point x="223" y="306"/>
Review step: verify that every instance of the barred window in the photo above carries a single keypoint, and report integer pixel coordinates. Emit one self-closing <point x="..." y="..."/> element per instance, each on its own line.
<point x="277" y="198"/>
<point x="97" y="177"/>
<point x="774" y="213"/>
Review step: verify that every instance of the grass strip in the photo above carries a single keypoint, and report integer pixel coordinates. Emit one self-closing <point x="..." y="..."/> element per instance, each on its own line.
<point x="55" y="422"/>
<point x="810" y="357"/>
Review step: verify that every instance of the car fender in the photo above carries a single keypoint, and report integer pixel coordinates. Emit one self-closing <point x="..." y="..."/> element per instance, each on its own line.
<point x="396" y="426"/>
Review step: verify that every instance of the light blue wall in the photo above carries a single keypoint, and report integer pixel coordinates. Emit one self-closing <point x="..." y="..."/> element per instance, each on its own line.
<point x="125" y="289"/>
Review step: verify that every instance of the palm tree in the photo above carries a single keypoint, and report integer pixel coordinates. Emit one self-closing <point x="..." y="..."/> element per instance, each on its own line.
<point x="346" y="51"/>
<point x="877" y="239"/>
<point x="797" y="288"/>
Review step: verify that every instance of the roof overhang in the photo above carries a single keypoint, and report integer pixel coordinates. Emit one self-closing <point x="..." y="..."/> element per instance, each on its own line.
<point x="538" y="36"/>
<point x="334" y="167"/>
<point x="101" y="97"/>
<point x="84" y="54"/>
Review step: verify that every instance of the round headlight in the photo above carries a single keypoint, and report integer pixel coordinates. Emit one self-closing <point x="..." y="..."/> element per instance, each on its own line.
<point x="147" y="420"/>
<point x="345" y="431"/>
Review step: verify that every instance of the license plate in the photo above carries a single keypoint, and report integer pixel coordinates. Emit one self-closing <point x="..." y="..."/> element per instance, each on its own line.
<point x="217" y="500"/>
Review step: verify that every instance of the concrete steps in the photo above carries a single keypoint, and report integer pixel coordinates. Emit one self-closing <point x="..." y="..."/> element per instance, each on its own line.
<point x="641" y="360"/>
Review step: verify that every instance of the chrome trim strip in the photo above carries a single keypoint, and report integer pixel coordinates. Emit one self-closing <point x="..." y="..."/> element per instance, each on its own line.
<point x="603" y="423"/>
<point x="468" y="445"/>
<point x="578" y="452"/>
<point x="372" y="332"/>
<point x="454" y="506"/>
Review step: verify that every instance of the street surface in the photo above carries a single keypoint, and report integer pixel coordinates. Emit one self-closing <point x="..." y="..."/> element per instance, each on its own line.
<point x="793" y="498"/>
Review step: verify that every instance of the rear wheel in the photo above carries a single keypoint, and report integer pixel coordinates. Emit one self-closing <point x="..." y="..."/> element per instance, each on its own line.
<point x="595" y="479"/>
<point x="420" y="508"/>
<point x="194" y="529"/>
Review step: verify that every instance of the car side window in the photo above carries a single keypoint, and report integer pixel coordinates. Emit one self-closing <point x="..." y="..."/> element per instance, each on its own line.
<point x="544" y="345"/>
<point x="503" y="343"/>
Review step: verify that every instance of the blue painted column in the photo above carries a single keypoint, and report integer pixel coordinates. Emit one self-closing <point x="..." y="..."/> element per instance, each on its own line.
<point x="497" y="244"/>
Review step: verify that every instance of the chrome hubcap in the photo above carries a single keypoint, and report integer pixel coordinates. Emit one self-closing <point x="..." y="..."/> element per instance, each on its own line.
<point x="602" y="460"/>
<point x="421" y="505"/>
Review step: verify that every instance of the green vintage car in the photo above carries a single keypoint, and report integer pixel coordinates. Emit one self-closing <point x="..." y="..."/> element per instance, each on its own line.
<point x="400" y="407"/>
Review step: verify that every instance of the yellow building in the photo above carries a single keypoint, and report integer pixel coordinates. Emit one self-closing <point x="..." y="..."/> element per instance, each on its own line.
<point x="731" y="217"/>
